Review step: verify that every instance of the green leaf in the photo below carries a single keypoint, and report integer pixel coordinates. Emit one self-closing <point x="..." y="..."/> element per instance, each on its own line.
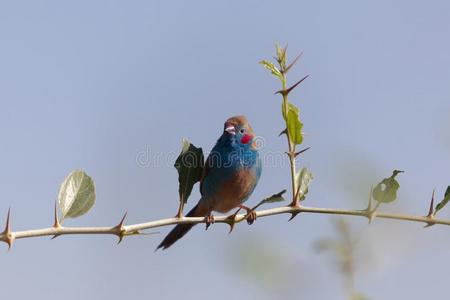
<point x="386" y="190"/>
<point x="189" y="165"/>
<point x="76" y="195"/>
<point x="271" y="67"/>
<point x="303" y="179"/>
<point x="444" y="201"/>
<point x="293" y="123"/>
<point x="278" y="197"/>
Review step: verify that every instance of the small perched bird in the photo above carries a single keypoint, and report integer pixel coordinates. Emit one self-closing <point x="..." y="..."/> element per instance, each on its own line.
<point x="229" y="176"/>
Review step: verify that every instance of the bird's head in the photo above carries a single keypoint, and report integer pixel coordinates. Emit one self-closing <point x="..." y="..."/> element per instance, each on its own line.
<point x="238" y="131"/>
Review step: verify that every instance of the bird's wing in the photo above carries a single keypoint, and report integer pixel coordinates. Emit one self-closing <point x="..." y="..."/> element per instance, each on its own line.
<point x="205" y="172"/>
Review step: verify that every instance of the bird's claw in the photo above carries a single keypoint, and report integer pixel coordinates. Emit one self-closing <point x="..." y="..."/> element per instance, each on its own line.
<point x="250" y="215"/>
<point x="209" y="219"/>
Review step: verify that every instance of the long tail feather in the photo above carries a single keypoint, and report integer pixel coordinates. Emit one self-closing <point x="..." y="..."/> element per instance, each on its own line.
<point x="180" y="230"/>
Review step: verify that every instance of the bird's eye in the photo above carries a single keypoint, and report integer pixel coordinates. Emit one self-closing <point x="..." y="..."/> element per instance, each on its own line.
<point x="242" y="130"/>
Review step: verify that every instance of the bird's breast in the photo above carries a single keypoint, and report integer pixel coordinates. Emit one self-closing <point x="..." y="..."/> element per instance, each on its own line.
<point x="234" y="190"/>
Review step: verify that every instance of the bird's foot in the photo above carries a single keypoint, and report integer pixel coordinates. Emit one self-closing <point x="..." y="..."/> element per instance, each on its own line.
<point x="250" y="214"/>
<point x="209" y="219"/>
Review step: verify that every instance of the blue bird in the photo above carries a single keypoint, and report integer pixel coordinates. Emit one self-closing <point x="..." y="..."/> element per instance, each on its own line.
<point x="230" y="175"/>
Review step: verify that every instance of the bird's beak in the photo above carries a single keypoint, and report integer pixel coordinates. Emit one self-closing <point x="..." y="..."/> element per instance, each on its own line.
<point x="230" y="130"/>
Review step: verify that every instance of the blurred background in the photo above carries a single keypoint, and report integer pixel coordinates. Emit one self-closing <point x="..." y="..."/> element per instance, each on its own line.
<point x="112" y="86"/>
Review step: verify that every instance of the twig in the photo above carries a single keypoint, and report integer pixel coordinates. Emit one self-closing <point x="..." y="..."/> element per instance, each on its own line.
<point x="135" y="229"/>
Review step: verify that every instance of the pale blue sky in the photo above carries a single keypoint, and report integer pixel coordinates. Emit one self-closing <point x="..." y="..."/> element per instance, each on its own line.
<point x="92" y="84"/>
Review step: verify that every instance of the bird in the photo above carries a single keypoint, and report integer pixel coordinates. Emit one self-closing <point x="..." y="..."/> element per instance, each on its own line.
<point x="229" y="176"/>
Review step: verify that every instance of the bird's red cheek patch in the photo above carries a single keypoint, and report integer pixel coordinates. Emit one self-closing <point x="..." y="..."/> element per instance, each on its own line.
<point x="246" y="138"/>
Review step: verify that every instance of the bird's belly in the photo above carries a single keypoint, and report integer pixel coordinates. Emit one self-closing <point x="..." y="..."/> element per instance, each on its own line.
<point x="225" y="205"/>
<point x="234" y="191"/>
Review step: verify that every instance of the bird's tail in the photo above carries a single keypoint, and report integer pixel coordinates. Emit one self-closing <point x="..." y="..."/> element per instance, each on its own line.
<point x="181" y="229"/>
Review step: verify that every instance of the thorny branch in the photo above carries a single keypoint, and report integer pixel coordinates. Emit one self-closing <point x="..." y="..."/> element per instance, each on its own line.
<point x="121" y="230"/>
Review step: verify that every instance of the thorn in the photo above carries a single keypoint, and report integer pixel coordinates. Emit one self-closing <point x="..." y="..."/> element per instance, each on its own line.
<point x="431" y="209"/>
<point x="301" y="151"/>
<point x="283" y="132"/>
<point x="296" y="84"/>
<point x="293" y="215"/>
<point x="232" y="220"/>
<point x="281" y="92"/>
<point x="7" y="236"/>
<point x="293" y="62"/>
<point x="294" y="204"/>
<point x="286" y="92"/>
<point x="231" y="224"/>
<point x="119" y="229"/>
<point x="8" y="221"/>
<point x="56" y="223"/>
<point x="120" y="225"/>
